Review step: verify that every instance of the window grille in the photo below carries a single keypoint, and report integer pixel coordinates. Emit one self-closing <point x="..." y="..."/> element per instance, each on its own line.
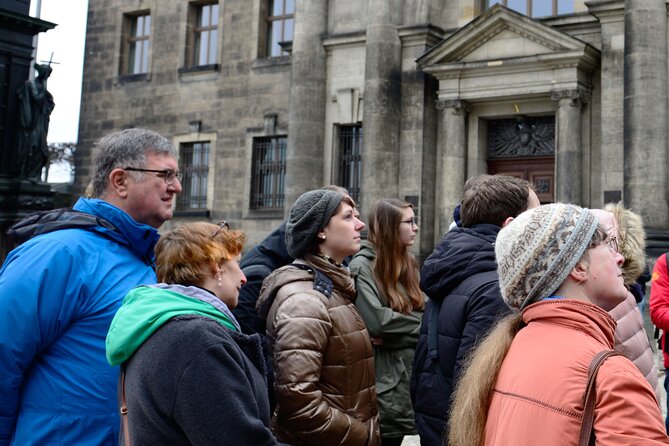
<point x="194" y="165"/>
<point x="350" y="159"/>
<point x="268" y="173"/>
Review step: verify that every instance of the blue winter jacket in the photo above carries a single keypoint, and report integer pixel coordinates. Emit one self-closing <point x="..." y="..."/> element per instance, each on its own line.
<point x="58" y="294"/>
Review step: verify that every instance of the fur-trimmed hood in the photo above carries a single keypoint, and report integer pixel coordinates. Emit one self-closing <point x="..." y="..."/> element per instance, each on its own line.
<point x="632" y="243"/>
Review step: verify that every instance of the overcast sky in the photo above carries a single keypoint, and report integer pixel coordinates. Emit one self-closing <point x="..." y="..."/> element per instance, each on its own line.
<point x="66" y="41"/>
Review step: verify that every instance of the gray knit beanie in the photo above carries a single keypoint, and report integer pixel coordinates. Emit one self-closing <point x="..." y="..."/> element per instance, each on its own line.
<point x="539" y="248"/>
<point x="309" y="215"/>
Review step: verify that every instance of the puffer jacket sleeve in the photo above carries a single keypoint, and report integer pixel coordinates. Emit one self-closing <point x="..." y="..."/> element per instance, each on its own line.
<point x="626" y="411"/>
<point x="484" y="308"/>
<point x="632" y="341"/>
<point x="39" y="289"/>
<point x="302" y="330"/>
<point x="397" y="330"/>
<point x="659" y="294"/>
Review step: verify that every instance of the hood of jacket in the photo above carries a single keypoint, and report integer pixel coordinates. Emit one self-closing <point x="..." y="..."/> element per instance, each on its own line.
<point x="273" y="283"/>
<point x="367" y="251"/>
<point x="631" y="241"/>
<point x="140" y="238"/>
<point x="462" y="253"/>
<point x="582" y="316"/>
<point x="271" y="252"/>
<point x="95" y="215"/>
<point x="147" y="308"/>
<point x="325" y="276"/>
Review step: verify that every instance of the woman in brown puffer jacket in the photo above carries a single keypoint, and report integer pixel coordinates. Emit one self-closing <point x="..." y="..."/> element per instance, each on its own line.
<point x="321" y="351"/>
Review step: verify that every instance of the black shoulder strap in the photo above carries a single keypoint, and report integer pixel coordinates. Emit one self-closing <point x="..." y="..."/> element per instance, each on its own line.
<point x="43" y="222"/>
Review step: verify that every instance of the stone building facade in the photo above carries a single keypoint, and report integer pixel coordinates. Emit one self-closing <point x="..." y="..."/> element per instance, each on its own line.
<point x="407" y="98"/>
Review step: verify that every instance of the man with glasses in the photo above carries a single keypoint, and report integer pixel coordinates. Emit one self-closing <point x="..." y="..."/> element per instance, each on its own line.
<point x="60" y="289"/>
<point x="460" y="278"/>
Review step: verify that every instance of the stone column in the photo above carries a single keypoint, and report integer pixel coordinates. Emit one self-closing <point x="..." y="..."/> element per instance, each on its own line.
<point x="451" y="161"/>
<point x="306" y="117"/>
<point x="569" y="150"/>
<point x="381" y="113"/>
<point x="645" y="104"/>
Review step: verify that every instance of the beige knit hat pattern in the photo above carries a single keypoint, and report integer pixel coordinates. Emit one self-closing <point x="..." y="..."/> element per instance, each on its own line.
<point x="538" y="249"/>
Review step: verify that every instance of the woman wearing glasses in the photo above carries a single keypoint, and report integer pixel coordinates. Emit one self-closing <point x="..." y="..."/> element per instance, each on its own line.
<point x="526" y="382"/>
<point x="322" y="354"/>
<point x="391" y="304"/>
<point x="189" y="376"/>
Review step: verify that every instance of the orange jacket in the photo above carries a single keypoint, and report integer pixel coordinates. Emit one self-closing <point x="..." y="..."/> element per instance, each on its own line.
<point x="538" y="396"/>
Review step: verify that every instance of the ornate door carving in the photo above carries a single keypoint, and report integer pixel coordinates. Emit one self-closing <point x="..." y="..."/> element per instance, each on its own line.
<point x="524" y="147"/>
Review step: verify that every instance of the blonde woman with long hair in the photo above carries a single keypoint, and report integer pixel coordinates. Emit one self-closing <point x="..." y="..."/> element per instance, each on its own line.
<point x="525" y="383"/>
<point x="391" y="303"/>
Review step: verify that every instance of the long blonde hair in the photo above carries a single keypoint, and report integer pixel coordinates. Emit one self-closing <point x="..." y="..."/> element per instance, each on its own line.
<point x="471" y="399"/>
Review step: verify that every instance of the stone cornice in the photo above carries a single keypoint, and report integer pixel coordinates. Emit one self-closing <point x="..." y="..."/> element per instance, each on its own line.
<point x="11" y="20"/>
<point x="607" y="11"/>
<point x="355" y="38"/>
<point x="420" y="35"/>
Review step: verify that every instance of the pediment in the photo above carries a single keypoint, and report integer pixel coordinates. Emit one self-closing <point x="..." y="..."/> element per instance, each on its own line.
<point x="500" y="33"/>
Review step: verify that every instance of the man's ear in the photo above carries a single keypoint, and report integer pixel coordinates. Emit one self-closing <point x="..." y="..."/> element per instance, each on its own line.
<point x="507" y="221"/>
<point x="118" y="182"/>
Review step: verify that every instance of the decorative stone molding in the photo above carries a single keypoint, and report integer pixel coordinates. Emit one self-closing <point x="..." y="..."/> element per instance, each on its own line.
<point x="576" y="97"/>
<point x="457" y="106"/>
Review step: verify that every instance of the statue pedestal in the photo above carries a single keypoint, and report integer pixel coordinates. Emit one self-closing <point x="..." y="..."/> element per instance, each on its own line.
<point x="18" y="199"/>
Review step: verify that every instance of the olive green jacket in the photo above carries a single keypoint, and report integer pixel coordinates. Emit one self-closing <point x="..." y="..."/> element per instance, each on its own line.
<point x="395" y="336"/>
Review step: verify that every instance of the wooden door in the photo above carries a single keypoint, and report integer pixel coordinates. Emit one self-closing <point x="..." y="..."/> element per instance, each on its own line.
<point x="540" y="171"/>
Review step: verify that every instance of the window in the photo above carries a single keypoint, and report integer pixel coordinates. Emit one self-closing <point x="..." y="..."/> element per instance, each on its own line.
<point x="194" y="165"/>
<point x="536" y="8"/>
<point x="350" y="160"/>
<point x="136" y="43"/>
<point x="280" y="22"/>
<point x="203" y="44"/>
<point x="268" y="173"/>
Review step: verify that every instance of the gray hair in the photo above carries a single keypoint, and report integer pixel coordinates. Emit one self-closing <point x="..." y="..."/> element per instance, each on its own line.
<point x="126" y="148"/>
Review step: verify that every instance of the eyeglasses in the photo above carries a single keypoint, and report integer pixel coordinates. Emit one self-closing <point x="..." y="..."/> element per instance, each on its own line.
<point x="411" y="222"/>
<point x="168" y="175"/>
<point x="223" y="224"/>
<point x="612" y="244"/>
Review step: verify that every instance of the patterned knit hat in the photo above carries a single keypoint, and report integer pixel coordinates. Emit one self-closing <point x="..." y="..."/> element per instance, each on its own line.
<point x="538" y="249"/>
<point x="309" y="215"/>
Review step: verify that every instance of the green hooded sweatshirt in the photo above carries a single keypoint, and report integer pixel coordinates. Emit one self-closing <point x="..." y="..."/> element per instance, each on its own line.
<point x="146" y="308"/>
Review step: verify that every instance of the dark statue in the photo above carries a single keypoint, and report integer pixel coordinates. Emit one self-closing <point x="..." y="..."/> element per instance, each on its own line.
<point x="35" y="106"/>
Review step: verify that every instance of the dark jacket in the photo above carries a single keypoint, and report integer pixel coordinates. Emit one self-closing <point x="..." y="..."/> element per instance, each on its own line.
<point x="257" y="264"/>
<point x="460" y="279"/>
<point x="191" y="376"/>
